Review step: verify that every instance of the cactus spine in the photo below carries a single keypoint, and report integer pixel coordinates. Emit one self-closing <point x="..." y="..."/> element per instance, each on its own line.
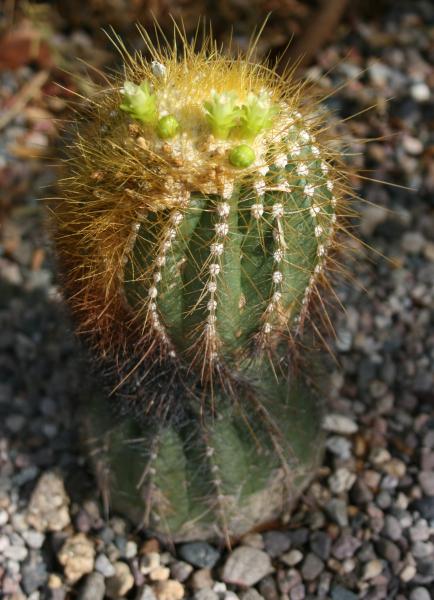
<point x="194" y="231"/>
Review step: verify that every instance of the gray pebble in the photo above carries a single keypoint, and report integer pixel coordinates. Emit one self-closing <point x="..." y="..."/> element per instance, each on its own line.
<point x="104" y="566"/>
<point x="17" y="553"/>
<point x="426" y="480"/>
<point x="292" y="558"/>
<point x="312" y="567"/>
<point x="180" y="570"/>
<point x="146" y="593"/>
<point x="33" y="573"/>
<point x="360" y="493"/>
<point x="425" y="506"/>
<point x="392" y="528"/>
<point x="199" y="554"/>
<point x="246" y="566"/>
<point x="276" y="543"/>
<point x="341" y="593"/>
<point x="298" y="592"/>
<point x="420" y="593"/>
<point x="206" y="594"/>
<point x="320" y="544"/>
<point x="251" y="594"/>
<point x="34" y="539"/>
<point x="388" y="550"/>
<point x="268" y="588"/>
<point x="339" y="446"/>
<point x="93" y="587"/>
<point x="420" y="92"/>
<point x="345" y="546"/>
<point x="420" y="531"/>
<point x="337" y="510"/>
<point x="413" y="242"/>
<point x="4" y="517"/>
<point x="422" y="549"/>
<point x="339" y="424"/>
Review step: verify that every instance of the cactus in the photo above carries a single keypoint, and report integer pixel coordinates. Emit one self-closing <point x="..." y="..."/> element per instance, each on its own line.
<point x="194" y="232"/>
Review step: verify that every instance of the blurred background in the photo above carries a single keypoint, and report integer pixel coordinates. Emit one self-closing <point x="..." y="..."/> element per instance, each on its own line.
<point x="365" y="528"/>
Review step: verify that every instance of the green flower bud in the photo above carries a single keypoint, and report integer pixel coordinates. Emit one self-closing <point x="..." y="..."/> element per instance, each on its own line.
<point x="256" y="115"/>
<point x="139" y="101"/>
<point x="167" y="127"/>
<point x="241" y="156"/>
<point x="222" y="113"/>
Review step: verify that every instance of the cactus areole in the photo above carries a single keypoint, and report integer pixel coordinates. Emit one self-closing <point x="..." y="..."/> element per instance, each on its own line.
<point x="194" y="232"/>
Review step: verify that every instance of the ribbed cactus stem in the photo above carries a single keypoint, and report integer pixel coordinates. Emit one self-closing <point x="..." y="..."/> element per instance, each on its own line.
<point x="194" y="231"/>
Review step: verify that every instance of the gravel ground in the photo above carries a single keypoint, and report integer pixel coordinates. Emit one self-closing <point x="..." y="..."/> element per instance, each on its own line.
<point x="365" y="527"/>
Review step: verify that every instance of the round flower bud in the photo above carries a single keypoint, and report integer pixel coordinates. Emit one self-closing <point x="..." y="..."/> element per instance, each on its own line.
<point x="241" y="156"/>
<point x="167" y="127"/>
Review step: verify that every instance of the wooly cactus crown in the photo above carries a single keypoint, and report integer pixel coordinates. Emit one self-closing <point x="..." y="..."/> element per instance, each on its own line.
<point x="196" y="224"/>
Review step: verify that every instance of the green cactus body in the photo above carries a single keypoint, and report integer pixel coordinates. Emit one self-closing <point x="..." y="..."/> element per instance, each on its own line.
<point x="195" y="231"/>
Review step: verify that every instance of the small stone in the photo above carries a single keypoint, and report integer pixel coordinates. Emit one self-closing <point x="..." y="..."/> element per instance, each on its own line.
<point x="413" y="242"/>
<point x="251" y="594"/>
<point x="33" y="573"/>
<point x="4" y="517"/>
<point x="121" y="582"/>
<point x="206" y="594"/>
<point x="341" y="481"/>
<point x="254" y="540"/>
<point x="344" y="342"/>
<point x="412" y="145"/>
<point x="220" y="588"/>
<point x="379" y="456"/>
<point x="420" y="92"/>
<point x="339" y="446"/>
<point x="337" y="510"/>
<point x="15" y="422"/>
<point x="268" y="588"/>
<point x="392" y="528"/>
<point x="246" y="566"/>
<point x="425" y="506"/>
<point x="420" y="593"/>
<point x="360" y="493"/>
<point x="298" y="536"/>
<point x="372" y="216"/>
<point x="48" y="506"/>
<point x="298" y="592"/>
<point x="104" y="566"/>
<point x="388" y="550"/>
<point x="420" y="531"/>
<point x="77" y="557"/>
<point x="159" y="574"/>
<point x="93" y="588"/>
<point x="339" y="424"/>
<point x="169" y="590"/>
<point x="146" y="593"/>
<point x="312" y="567"/>
<point x="180" y="570"/>
<point x="276" y="543"/>
<point x="383" y="500"/>
<point x="130" y="549"/>
<point x="345" y="546"/>
<point x="341" y="593"/>
<point x="426" y="480"/>
<point x="320" y="544"/>
<point x="292" y="558"/>
<point x="16" y="553"/>
<point x="422" y="549"/>
<point x="34" y="539"/>
<point x="202" y="579"/>
<point x="199" y="554"/>
<point x="372" y="569"/>
<point x="407" y="573"/>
